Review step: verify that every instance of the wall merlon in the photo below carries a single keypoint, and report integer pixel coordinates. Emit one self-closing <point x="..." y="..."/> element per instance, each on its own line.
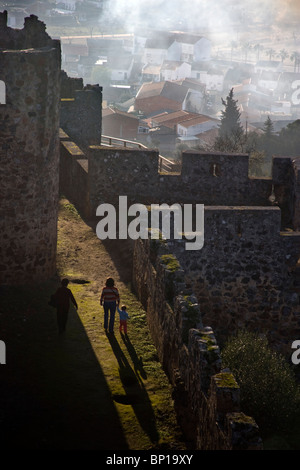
<point x="124" y="172"/>
<point x="282" y="169"/>
<point x="80" y="111"/>
<point x="243" y="432"/>
<point x="225" y="393"/>
<point x="73" y="149"/>
<point x="3" y="19"/>
<point x="241" y="222"/>
<point x="63" y="135"/>
<point x="33" y="34"/>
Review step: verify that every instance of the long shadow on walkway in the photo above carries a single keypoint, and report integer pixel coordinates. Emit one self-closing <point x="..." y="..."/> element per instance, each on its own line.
<point x="137" y="361"/>
<point x="135" y="394"/>
<point x="53" y="391"/>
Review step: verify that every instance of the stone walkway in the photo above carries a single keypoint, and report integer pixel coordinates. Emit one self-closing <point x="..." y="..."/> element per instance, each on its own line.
<point x="85" y="390"/>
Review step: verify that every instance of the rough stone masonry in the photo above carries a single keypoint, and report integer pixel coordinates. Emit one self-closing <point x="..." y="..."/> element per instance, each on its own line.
<point x="29" y="151"/>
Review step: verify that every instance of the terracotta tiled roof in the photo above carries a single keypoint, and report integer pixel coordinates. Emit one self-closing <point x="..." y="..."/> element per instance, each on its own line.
<point x="187" y="38"/>
<point x="110" y="111"/>
<point x="171" y="119"/>
<point x="171" y="90"/>
<point x="197" y="120"/>
<point x="159" y="43"/>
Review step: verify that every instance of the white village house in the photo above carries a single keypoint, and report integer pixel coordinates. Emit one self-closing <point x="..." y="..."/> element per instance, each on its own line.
<point x="175" y="70"/>
<point x="193" y="48"/>
<point x="158" y="49"/>
<point x="210" y="76"/>
<point x="174" y="46"/>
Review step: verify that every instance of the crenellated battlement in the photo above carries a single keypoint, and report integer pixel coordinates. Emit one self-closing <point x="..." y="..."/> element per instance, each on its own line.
<point x="32" y="36"/>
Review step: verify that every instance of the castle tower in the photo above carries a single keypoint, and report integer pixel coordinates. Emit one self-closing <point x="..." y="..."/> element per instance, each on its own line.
<point x="29" y="151"/>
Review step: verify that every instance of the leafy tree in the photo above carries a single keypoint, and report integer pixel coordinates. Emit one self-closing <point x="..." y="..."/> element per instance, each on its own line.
<point x="283" y="54"/>
<point x="270" y="52"/>
<point x="289" y="139"/>
<point x="286" y="143"/>
<point x="258" y="166"/>
<point x="246" y="48"/>
<point x="295" y="57"/>
<point x="233" y="45"/>
<point x="231" y="136"/>
<point x="267" y="142"/>
<point x="269" y="391"/>
<point x="258" y="48"/>
<point x="101" y="75"/>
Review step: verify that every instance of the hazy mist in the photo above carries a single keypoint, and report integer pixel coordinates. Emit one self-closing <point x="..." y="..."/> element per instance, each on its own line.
<point x="204" y="15"/>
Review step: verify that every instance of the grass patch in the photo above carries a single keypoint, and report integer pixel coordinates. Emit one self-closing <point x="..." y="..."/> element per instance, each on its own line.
<point x="171" y="262"/>
<point x="86" y="390"/>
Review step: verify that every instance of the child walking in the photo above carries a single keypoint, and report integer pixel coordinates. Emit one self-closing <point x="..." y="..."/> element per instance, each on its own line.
<point x="123" y="318"/>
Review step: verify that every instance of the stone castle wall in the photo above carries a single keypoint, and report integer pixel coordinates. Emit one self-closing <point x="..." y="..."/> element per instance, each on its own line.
<point x="244" y="274"/>
<point x="209" y="179"/>
<point x="29" y="152"/>
<point x="114" y="172"/>
<point x="80" y="114"/>
<point x="207" y="398"/>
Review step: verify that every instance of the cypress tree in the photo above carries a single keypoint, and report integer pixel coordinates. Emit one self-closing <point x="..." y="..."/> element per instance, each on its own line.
<point x="231" y="133"/>
<point x="268" y="128"/>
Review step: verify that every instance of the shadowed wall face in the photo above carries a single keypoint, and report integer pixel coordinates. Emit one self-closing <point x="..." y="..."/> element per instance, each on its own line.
<point x="29" y="152"/>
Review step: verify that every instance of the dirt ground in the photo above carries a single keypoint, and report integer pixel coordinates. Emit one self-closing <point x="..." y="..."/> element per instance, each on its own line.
<point x="84" y="390"/>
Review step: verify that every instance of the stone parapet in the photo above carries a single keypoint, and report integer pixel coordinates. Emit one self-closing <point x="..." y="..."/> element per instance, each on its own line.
<point x="206" y="398"/>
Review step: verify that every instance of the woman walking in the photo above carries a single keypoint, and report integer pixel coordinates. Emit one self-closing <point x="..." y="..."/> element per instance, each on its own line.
<point x="109" y="299"/>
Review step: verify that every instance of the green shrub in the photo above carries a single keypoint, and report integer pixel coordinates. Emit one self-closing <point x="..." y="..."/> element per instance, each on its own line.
<point x="269" y="392"/>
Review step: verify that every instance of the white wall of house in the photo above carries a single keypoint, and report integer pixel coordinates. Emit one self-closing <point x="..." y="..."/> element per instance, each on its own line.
<point x="202" y="50"/>
<point x="121" y="75"/>
<point x="213" y="82"/>
<point x="187" y="51"/>
<point x="158" y="55"/>
<point x="182" y="71"/>
<point x="197" y="52"/>
<point x="139" y="44"/>
<point x="174" y="51"/>
<point x="268" y="84"/>
<point x="194" y="102"/>
<point x="154" y="56"/>
<point x="149" y="76"/>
